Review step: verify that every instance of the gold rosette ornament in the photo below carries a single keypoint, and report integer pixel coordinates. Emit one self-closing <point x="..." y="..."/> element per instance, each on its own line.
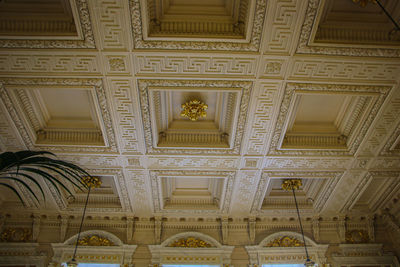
<point x="194" y="109"/>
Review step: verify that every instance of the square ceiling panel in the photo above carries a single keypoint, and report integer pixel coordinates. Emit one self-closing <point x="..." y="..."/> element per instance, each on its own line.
<point x="373" y="191"/>
<point x="191" y="18"/>
<point x="312" y="196"/>
<point x="105" y="197"/>
<point x="45" y="24"/>
<point x="346" y="22"/>
<point x="207" y="192"/>
<point x="220" y="131"/>
<point x="319" y="117"/>
<point x="54" y="115"/>
<point x="194" y="25"/>
<point x="192" y="192"/>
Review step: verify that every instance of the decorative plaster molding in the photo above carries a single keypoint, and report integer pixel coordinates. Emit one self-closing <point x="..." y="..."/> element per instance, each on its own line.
<point x="87" y="40"/>
<point x="262" y="254"/>
<point x="305" y="45"/>
<point x="144" y="86"/>
<point x="380" y="93"/>
<point x="229" y="45"/>
<point x="215" y="254"/>
<point x="119" y="253"/>
<point x="146" y="65"/>
<point x="155" y="177"/>
<point x="25" y="130"/>
<point x="332" y="179"/>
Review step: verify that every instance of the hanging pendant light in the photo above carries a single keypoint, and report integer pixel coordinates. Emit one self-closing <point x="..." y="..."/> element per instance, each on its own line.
<point x="90" y="182"/>
<point x="293" y="185"/>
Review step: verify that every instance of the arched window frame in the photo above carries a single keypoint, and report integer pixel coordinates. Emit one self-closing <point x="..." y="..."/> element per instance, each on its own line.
<point x="119" y="253"/>
<point x="260" y="254"/>
<point x="217" y="254"/>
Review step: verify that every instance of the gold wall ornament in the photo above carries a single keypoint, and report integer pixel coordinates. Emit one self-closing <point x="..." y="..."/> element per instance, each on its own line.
<point x="16" y="235"/>
<point x="357" y="236"/>
<point x="91" y="181"/>
<point x="194" y="109"/>
<point x="363" y="3"/>
<point x="95" y="241"/>
<point x="290" y="184"/>
<point x="285" y="241"/>
<point x="190" y="242"/>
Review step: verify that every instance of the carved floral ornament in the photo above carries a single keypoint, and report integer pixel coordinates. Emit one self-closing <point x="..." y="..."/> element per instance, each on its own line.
<point x="95" y="240"/>
<point x="190" y="242"/>
<point x="285" y="241"/>
<point x="194" y="109"/>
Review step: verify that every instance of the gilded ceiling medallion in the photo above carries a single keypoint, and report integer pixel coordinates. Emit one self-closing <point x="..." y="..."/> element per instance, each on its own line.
<point x="190" y="242"/>
<point x="291" y="184"/>
<point x="363" y="3"/>
<point x="194" y="109"/>
<point x="285" y="241"/>
<point x="95" y="240"/>
<point x="91" y="181"/>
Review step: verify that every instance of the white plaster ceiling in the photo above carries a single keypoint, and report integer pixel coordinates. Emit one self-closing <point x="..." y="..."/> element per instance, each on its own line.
<point x="282" y="104"/>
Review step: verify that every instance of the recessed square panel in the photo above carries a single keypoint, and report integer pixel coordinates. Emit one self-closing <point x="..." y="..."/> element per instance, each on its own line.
<point x="346" y="22"/>
<point x="45" y="24"/>
<point x="207" y="192"/>
<point x="312" y="195"/>
<point x="318" y="117"/>
<point x="220" y="130"/>
<point x="278" y="197"/>
<point x="106" y="196"/>
<point x="191" y="192"/>
<point x="56" y="116"/>
<point x="53" y="15"/>
<point x="191" y="18"/>
<point x="230" y="25"/>
<point x="373" y="192"/>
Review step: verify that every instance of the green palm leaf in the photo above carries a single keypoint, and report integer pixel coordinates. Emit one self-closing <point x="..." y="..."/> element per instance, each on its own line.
<point x="27" y="165"/>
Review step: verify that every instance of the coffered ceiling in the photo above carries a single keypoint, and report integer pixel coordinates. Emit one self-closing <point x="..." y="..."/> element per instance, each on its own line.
<point x="294" y="89"/>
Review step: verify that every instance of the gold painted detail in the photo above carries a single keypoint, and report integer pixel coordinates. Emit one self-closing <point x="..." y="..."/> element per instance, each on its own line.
<point x="16" y="235"/>
<point x="194" y="109"/>
<point x="357" y="236"/>
<point x="291" y="184"/>
<point x="190" y="242"/>
<point x="363" y="3"/>
<point x="95" y="241"/>
<point x="91" y="181"/>
<point x="285" y="241"/>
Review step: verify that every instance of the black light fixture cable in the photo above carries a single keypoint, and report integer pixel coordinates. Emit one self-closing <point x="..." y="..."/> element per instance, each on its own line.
<point x="80" y="226"/>
<point x="301" y="225"/>
<point x="388" y="14"/>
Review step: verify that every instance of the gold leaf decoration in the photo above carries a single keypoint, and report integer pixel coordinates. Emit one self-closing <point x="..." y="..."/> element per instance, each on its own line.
<point x="16" y="235"/>
<point x="190" y="242"/>
<point x="290" y="184"/>
<point x="194" y="109"/>
<point x="285" y="241"/>
<point x="357" y="236"/>
<point x="95" y="240"/>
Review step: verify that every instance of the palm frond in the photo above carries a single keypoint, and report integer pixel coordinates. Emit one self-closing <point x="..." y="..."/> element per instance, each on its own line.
<point x="28" y="165"/>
